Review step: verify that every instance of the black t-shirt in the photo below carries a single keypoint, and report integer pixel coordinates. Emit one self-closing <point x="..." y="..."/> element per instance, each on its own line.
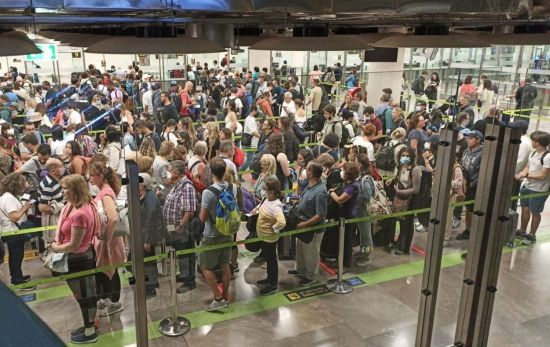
<point x="482" y="123"/>
<point x="169" y="112"/>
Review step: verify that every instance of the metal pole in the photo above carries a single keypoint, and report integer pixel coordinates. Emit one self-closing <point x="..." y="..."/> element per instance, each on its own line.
<point x="364" y="84"/>
<point x="337" y="285"/>
<point x="174" y="325"/>
<point x="136" y="249"/>
<point x="436" y="231"/>
<point x="58" y="71"/>
<point x="83" y="59"/>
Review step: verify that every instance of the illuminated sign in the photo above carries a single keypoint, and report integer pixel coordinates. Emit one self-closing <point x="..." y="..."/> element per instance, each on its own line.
<point x="49" y="53"/>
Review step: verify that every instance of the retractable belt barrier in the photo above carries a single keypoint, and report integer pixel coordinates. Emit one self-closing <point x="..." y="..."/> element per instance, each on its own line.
<point x="229" y="244"/>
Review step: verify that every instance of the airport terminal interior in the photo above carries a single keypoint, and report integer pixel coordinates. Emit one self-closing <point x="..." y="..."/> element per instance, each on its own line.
<point x="274" y="173"/>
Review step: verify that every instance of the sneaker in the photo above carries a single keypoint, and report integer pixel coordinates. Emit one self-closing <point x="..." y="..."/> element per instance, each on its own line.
<point x="263" y="282"/>
<point x="456" y="223"/>
<point x="150" y="293"/>
<point x="520" y="235"/>
<point x="294" y="273"/>
<point x="103" y="304"/>
<point x="363" y="261"/>
<point x="465" y="235"/>
<point x="306" y="281"/>
<point x="416" y="223"/>
<point x="83" y="339"/>
<point x="529" y="240"/>
<point x="78" y="331"/>
<point x="268" y="290"/>
<point x="216" y="305"/>
<point x="113" y="308"/>
<point x="23" y="279"/>
<point x="186" y="287"/>
<point x="420" y="228"/>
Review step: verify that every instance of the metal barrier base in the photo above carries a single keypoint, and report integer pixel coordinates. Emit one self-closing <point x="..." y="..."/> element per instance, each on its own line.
<point x="339" y="287"/>
<point x="177" y="327"/>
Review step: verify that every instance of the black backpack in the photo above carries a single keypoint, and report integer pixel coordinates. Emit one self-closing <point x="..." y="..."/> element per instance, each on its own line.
<point x="315" y="123"/>
<point x="345" y="134"/>
<point x="324" y="100"/>
<point x="176" y="100"/>
<point x="417" y="87"/>
<point x="385" y="158"/>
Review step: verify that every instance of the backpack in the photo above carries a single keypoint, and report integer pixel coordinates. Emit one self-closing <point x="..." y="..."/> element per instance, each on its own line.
<point x="366" y="191"/>
<point x="227" y="219"/>
<point x="416" y="87"/>
<point x="246" y="105"/>
<point x="345" y="134"/>
<point x="315" y="123"/>
<point x="385" y="159"/>
<point x="379" y="204"/>
<point x="238" y="157"/>
<point x="198" y="184"/>
<point x="176" y="100"/>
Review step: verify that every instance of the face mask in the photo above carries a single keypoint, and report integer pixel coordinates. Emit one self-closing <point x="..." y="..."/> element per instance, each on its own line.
<point x="10" y="132"/>
<point x="417" y="108"/>
<point x="427" y="146"/>
<point x="405" y="160"/>
<point x="342" y="175"/>
<point x="168" y="175"/>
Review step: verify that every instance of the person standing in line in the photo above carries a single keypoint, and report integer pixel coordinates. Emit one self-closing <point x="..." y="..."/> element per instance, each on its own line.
<point x="471" y="162"/>
<point x="536" y="179"/>
<point x="313" y="206"/>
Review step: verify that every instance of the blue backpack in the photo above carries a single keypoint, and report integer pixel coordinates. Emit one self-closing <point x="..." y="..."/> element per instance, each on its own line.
<point x="228" y="219"/>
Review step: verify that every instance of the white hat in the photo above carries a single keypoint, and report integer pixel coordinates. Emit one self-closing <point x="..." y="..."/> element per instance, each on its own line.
<point x="147" y="180"/>
<point x="35" y="117"/>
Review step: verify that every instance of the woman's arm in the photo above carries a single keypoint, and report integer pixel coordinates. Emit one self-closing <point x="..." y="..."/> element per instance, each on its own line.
<point x="112" y="215"/>
<point x="414" y="145"/>
<point x="77" y="235"/>
<point x="17" y="215"/>
<point x="281" y="221"/>
<point x="78" y="165"/>
<point x="340" y="199"/>
<point x="283" y="160"/>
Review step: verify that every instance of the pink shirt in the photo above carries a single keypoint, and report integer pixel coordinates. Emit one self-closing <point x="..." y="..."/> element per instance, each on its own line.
<point x="83" y="217"/>
<point x="106" y="190"/>
<point x="467" y="89"/>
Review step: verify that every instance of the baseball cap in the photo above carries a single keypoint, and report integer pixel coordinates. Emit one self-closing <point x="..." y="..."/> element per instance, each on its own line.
<point x="475" y="133"/>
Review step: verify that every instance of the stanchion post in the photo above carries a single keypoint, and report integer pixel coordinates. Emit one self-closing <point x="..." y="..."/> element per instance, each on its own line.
<point x="337" y="285"/>
<point x="174" y="325"/>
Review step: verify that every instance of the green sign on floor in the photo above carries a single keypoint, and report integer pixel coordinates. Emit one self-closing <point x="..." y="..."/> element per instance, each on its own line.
<point x="49" y="53"/>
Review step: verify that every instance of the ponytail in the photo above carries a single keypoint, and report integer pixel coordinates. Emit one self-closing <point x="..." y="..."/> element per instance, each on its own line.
<point x="109" y="175"/>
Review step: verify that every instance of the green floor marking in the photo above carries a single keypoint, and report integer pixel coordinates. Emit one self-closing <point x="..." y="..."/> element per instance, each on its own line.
<point x="265" y="303"/>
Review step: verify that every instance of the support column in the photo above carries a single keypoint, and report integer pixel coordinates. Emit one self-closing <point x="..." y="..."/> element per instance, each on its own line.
<point x="260" y="59"/>
<point x="384" y="75"/>
<point x="436" y="232"/>
<point x="489" y="231"/>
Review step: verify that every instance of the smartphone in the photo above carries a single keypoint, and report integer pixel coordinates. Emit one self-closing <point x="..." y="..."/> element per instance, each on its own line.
<point x="32" y="201"/>
<point x="25" y="197"/>
<point x="249" y="214"/>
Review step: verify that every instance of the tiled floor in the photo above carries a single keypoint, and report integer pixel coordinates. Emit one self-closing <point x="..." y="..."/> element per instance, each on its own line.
<point x="379" y="314"/>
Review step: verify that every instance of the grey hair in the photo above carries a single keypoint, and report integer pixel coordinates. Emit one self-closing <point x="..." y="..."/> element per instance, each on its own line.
<point x="200" y="148"/>
<point x="226" y="146"/>
<point x="52" y="164"/>
<point x="178" y="166"/>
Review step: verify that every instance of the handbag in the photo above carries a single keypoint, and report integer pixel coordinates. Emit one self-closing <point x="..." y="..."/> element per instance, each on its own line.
<point x="252" y="234"/>
<point x="293" y="217"/>
<point x="246" y="140"/>
<point x="57" y="262"/>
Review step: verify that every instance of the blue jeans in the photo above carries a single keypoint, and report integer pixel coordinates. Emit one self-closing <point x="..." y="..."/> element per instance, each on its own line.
<point x="16" y="250"/>
<point x="249" y="159"/>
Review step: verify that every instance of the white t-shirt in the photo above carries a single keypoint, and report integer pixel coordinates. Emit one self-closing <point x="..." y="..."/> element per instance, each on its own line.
<point x="250" y="126"/>
<point x="523" y="154"/>
<point x="360" y="141"/>
<point x="170" y="137"/>
<point x="74" y="118"/>
<point x="9" y="204"/>
<point x="535" y="168"/>
<point x="147" y="100"/>
<point x="290" y="108"/>
<point x="58" y="147"/>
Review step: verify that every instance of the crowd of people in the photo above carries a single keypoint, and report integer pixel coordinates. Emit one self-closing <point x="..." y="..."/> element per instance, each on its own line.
<point x="226" y="146"/>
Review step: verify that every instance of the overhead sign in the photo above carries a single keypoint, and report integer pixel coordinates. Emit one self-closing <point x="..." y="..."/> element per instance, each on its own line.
<point x="49" y="53"/>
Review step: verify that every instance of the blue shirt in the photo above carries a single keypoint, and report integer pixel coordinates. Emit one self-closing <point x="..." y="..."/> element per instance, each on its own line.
<point x="313" y="201"/>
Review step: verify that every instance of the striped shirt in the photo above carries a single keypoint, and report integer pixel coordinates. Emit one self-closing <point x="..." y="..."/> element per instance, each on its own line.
<point x="50" y="190"/>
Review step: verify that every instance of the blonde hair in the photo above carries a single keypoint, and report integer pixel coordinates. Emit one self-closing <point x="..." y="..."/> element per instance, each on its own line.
<point x="272" y="168"/>
<point x="213" y="130"/>
<point x="166" y="148"/>
<point x="78" y="188"/>
<point x="147" y="148"/>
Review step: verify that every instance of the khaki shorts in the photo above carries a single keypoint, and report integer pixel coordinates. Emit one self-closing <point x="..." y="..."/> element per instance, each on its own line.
<point x="218" y="257"/>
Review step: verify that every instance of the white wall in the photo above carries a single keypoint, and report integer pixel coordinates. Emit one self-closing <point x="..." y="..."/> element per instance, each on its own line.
<point x="260" y="59"/>
<point x="384" y="75"/>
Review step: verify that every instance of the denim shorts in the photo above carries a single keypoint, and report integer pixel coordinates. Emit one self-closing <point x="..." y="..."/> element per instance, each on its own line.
<point x="535" y="205"/>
